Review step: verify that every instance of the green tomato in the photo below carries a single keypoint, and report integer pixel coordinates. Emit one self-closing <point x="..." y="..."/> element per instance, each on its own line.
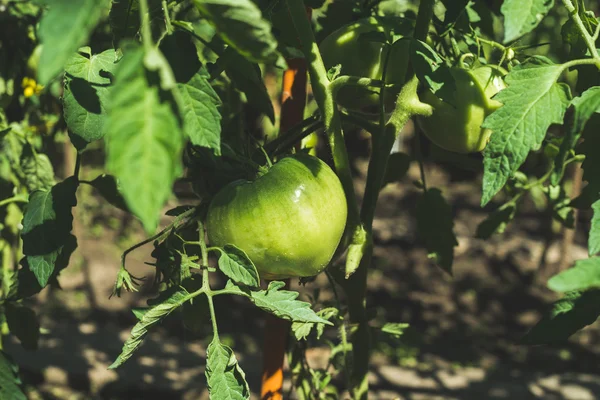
<point x="289" y="220"/>
<point x="457" y="127"/>
<point x="362" y="57"/>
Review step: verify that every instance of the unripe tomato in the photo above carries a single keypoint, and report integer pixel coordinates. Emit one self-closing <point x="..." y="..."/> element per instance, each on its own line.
<point x="457" y="127"/>
<point x="289" y="220"/>
<point x="362" y="57"/>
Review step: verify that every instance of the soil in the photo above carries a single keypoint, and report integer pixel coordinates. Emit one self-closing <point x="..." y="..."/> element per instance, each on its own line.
<point x="463" y="340"/>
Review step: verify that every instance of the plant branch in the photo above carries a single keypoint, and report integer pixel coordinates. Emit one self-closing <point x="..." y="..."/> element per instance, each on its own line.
<point x="587" y="37"/>
<point x="145" y="22"/>
<point x="14" y="199"/>
<point x="167" y="17"/>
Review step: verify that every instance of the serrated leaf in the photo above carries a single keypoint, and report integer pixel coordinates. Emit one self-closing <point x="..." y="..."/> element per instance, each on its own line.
<point x="585" y="106"/>
<point x="23" y="323"/>
<point x="435" y="227"/>
<point x="36" y="170"/>
<point x="594" y="239"/>
<point x="238" y="267"/>
<point x="567" y="315"/>
<point x="532" y="102"/>
<point x="10" y="383"/>
<point x="241" y="25"/>
<point x="47" y="224"/>
<point x="431" y="70"/>
<point x="63" y="29"/>
<point x="302" y="329"/>
<point x="395" y="329"/>
<point x="522" y="17"/>
<point x="283" y="304"/>
<point x="163" y="306"/>
<point x="226" y="380"/>
<point x="87" y="79"/>
<point x="200" y="112"/>
<point x="584" y="275"/>
<point x="144" y="138"/>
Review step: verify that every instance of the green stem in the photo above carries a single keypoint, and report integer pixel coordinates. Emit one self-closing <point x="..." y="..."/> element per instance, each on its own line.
<point x="77" y="166"/>
<point x="587" y="37"/>
<point x="294" y="135"/>
<point x="14" y="199"/>
<point x="206" y="281"/>
<point x="167" y="17"/>
<point x="146" y="32"/>
<point x="363" y="123"/>
<point x="211" y="306"/>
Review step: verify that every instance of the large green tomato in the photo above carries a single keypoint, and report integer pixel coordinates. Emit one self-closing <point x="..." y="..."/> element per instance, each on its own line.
<point x="289" y="220"/>
<point x="457" y="127"/>
<point x="362" y="57"/>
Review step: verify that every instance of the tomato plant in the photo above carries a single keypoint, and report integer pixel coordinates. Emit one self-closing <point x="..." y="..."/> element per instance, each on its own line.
<point x="455" y="124"/>
<point x="299" y="208"/>
<point x="361" y="52"/>
<point x="155" y="103"/>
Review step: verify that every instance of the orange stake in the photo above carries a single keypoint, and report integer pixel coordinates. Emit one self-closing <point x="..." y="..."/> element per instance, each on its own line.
<point x="293" y="100"/>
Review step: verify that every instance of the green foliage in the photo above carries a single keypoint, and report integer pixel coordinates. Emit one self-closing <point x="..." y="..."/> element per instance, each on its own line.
<point x="520" y="19"/>
<point x="566" y="316"/>
<point x="179" y="99"/>
<point x="87" y="81"/>
<point x="226" y="380"/>
<point x="236" y="265"/>
<point x="531" y="103"/>
<point x="241" y="25"/>
<point x="10" y="383"/>
<point x="47" y="224"/>
<point x="144" y="138"/>
<point x="63" y="29"/>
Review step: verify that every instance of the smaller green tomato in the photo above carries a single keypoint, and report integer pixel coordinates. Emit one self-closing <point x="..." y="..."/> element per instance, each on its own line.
<point x="289" y="220"/>
<point x="362" y="57"/>
<point x="457" y="127"/>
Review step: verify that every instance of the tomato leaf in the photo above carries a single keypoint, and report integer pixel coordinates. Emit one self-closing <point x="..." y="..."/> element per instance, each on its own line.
<point x="226" y="380"/>
<point x="567" y="315"/>
<point x="63" y="29"/>
<point x="283" y="304"/>
<point x="521" y="18"/>
<point x="394" y="329"/>
<point x="436" y="228"/>
<point x="10" y="383"/>
<point x="584" y="275"/>
<point x="23" y="323"/>
<point x="594" y="239"/>
<point x="124" y="18"/>
<point x="532" y="102"/>
<point x="238" y="267"/>
<point x="200" y="112"/>
<point x="240" y="24"/>
<point x="87" y="79"/>
<point x="166" y="303"/>
<point x="585" y="106"/>
<point x="144" y="138"/>
<point x="36" y="170"/>
<point x="303" y="329"/>
<point x="47" y="223"/>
